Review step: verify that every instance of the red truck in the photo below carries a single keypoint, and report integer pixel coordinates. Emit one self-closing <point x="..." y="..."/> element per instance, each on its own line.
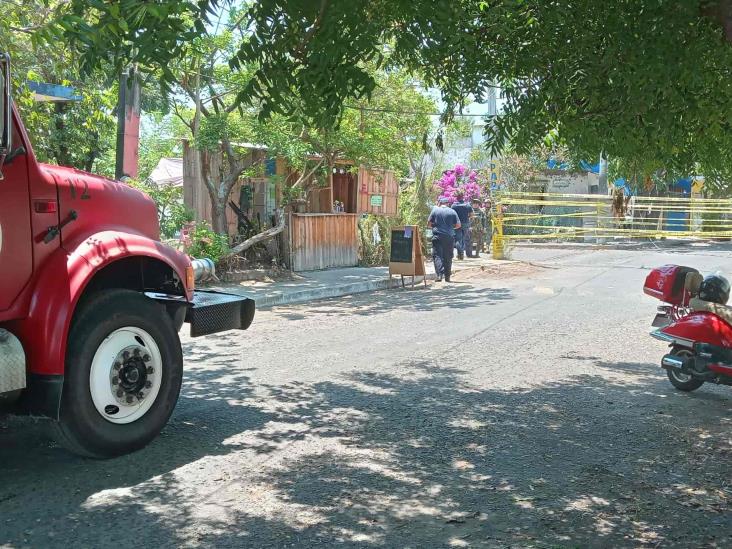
<point x="91" y="302"/>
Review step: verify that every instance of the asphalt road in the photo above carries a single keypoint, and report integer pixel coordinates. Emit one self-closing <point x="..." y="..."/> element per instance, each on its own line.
<point x="520" y="407"/>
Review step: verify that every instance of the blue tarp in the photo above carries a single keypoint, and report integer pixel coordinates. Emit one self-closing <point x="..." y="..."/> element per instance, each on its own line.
<point x="594" y="168"/>
<point x="622" y="183"/>
<point x="553" y="164"/>
<point x="53" y="92"/>
<point x="684" y="184"/>
<point x="677" y="221"/>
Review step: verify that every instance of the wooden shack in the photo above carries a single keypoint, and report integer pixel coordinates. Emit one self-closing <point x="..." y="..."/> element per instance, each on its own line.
<point x="323" y="238"/>
<point x="318" y="235"/>
<point x="256" y="196"/>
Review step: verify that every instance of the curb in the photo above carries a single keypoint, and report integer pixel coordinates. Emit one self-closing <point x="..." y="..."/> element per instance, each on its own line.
<point x="304" y="296"/>
<point x="339" y="290"/>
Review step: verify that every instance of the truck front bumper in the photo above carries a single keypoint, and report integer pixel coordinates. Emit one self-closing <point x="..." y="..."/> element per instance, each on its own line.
<point x="211" y="312"/>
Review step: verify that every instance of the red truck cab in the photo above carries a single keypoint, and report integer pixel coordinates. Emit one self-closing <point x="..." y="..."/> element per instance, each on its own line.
<point x="91" y="301"/>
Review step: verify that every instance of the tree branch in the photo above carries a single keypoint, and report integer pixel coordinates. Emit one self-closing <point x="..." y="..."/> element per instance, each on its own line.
<point x="307" y="176"/>
<point x="177" y="113"/>
<point x="261" y="237"/>
<point x="316" y="25"/>
<point x="196" y="98"/>
<point x="26" y="30"/>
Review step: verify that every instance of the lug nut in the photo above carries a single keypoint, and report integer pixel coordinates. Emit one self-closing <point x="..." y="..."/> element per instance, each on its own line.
<point x="150" y="370"/>
<point x="129" y="399"/>
<point x="148" y="384"/>
<point x="115" y="380"/>
<point x="126" y="355"/>
<point x="146" y="358"/>
<point x="117" y="365"/>
<point x="137" y="352"/>
<point x="140" y="395"/>
<point x="120" y="393"/>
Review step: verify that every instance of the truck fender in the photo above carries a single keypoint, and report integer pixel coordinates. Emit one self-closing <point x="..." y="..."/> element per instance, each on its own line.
<point x="61" y="283"/>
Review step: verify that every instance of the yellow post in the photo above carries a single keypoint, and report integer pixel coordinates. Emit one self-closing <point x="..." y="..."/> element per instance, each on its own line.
<point x="498" y="252"/>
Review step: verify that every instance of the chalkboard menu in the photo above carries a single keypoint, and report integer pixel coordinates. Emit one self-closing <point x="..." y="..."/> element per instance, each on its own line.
<point x="406" y="257"/>
<point x="402" y="245"/>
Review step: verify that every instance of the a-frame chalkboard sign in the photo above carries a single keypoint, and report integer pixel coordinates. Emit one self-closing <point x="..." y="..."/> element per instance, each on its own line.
<point x="406" y="258"/>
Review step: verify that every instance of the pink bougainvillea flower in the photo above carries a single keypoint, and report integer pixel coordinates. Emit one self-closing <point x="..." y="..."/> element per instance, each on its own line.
<point x="469" y="182"/>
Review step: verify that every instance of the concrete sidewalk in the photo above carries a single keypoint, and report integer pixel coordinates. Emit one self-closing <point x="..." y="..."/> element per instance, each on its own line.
<point x="316" y="285"/>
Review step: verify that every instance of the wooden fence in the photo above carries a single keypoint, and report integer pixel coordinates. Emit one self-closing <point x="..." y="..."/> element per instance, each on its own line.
<point x="322" y="241"/>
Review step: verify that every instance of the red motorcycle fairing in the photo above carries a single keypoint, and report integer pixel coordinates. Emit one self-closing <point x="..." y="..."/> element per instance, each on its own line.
<point x="700" y="327"/>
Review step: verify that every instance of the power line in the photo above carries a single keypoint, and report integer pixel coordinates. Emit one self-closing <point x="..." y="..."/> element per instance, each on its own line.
<point x="374" y="109"/>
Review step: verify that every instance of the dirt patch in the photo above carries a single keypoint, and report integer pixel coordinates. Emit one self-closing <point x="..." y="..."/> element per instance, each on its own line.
<point x="258" y="275"/>
<point x="498" y="270"/>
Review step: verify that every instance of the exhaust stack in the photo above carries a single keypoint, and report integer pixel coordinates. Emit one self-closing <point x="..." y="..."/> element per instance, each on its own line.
<point x="203" y="270"/>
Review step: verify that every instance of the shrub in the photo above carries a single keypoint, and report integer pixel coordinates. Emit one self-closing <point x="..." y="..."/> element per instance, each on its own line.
<point x="200" y="240"/>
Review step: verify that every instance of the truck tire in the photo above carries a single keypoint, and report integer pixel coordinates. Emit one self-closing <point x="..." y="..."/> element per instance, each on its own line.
<point x="124" y="368"/>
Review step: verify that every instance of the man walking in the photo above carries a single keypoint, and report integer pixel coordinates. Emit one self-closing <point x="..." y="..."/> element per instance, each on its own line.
<point x="463" y="211"/>
<point x="444" y="221"/>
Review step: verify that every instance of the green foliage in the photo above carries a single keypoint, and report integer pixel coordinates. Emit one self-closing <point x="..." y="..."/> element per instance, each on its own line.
<point x="120" y="33"/>
<point x="645" y="81"/>
<point x="373" y="253"/>
<point x="74" y="134"/>
<point x="520" y="171"/>
<point x="711" y="222"/>
<point x="172" y="213"/>
<point x="386" y="131"/>
<point x="203" y="242"/>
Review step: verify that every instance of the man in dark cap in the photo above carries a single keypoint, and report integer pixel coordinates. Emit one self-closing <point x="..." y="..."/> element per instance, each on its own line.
<point x="443" y="220"/>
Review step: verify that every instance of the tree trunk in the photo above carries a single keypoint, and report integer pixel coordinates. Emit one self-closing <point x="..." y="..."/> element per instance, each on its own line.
<point x="62" y="152"/>
<point x="602" y="181"/>
<point x="220" y="223"/>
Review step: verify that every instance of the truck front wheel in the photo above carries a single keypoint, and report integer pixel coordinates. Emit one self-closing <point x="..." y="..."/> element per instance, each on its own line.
<point x="124" y="368"/>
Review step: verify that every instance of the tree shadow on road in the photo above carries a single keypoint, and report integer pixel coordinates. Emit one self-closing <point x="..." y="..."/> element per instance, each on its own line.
<point x="422" y="459"/>
<point x="461" y="296"/>
<point x="429" y="461"/>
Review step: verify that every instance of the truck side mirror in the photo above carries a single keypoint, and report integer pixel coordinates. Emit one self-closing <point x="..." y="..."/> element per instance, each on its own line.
<point x="6" y="112"/>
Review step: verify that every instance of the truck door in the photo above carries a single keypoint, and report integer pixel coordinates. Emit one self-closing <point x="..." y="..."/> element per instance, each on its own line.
<point x="16" y="256"/>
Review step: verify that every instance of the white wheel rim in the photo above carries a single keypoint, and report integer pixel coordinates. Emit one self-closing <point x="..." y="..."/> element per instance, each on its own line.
<point x="125" y="375"/>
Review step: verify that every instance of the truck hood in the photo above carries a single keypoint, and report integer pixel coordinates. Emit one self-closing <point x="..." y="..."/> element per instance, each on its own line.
<point x="90" y="203"/>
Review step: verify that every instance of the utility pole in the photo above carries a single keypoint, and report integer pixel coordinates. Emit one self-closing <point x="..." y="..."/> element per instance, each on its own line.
<point x="128" y="125"/>
<point x="602" y="181"/>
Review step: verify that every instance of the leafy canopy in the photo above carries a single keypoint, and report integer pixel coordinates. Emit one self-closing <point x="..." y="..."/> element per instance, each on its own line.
<point x="646" y="81"/>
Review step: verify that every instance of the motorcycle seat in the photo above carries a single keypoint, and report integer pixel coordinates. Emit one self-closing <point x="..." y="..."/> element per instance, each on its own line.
<point x="722" y="311"/>
<point x="692" y="283"/>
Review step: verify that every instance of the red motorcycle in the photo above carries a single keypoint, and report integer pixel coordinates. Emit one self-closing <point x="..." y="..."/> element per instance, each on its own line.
<point x="696" y="324"/>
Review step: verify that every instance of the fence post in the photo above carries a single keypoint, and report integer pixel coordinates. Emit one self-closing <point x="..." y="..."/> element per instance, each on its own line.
<point x="498" y="252"/>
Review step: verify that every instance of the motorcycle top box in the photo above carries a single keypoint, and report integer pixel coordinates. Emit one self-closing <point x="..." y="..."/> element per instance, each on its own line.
<point x="666" y="283"/>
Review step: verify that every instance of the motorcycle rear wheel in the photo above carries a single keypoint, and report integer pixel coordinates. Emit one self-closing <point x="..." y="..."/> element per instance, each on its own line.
<point x="683" y="382"/>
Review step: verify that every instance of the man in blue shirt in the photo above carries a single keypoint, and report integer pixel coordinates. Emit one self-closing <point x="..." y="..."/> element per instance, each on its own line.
<point x="463" y="210"/>
<point x="443" y="220"/>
